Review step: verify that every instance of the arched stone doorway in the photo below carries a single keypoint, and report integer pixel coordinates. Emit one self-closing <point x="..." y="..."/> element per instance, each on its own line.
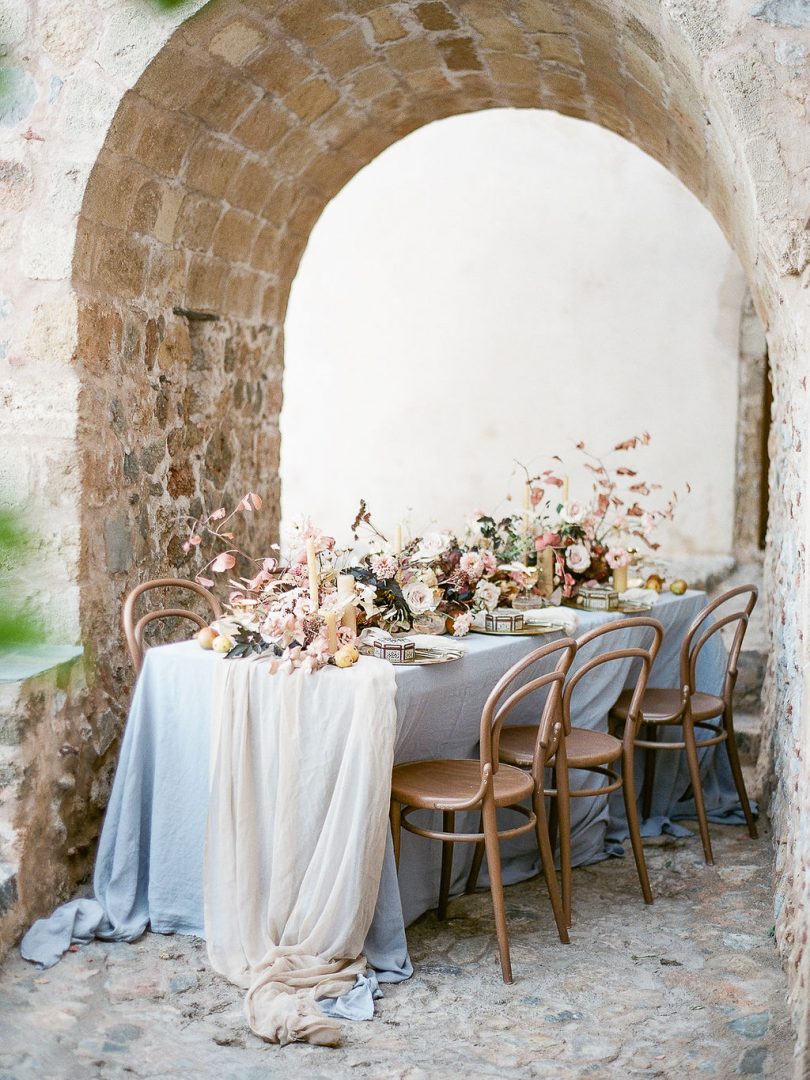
<point x="223" y="154"/>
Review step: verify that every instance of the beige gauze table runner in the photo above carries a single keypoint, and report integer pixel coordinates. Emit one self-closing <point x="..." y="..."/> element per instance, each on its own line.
<point x="297" y="819"/>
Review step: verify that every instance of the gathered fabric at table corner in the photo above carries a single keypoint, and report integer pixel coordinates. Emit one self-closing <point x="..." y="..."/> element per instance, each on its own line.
<point x="297" y="823"/>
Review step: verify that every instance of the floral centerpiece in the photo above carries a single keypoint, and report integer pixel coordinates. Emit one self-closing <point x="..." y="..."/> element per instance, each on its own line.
<point x="594" y="537"/>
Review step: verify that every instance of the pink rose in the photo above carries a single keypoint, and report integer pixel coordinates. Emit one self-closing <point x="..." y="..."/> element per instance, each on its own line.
<point x="548" y="539"/>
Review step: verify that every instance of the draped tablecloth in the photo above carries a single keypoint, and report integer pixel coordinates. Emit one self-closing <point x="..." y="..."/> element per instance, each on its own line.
<point x="149" y="868"/>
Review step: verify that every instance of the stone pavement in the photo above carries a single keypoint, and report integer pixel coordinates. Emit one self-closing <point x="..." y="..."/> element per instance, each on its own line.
<point x="690" y="987"/>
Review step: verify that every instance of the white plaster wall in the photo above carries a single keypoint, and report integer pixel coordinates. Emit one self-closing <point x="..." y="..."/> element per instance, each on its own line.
<point x="495" y="287"/>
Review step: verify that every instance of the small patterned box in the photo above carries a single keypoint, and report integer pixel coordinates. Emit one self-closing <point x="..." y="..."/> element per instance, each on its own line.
<point x="396" y="652"/>
<point x="503" y="620"/>
<point x="598" y="598"/>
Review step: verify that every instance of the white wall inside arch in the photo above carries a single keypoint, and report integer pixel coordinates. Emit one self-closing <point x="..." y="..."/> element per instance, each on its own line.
<point x="494" y="287"/>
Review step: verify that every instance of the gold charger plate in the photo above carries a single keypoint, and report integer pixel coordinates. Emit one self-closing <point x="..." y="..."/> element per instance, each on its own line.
<point x="528" y="631"/>
<point x="423" y="657"/>
<point x="635" y="607"/>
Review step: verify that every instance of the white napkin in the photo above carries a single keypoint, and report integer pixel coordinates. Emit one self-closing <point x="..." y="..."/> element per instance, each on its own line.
<point x="435" y="641"/>
<point x="565" y="618"/>
<point x="639" y="596"/>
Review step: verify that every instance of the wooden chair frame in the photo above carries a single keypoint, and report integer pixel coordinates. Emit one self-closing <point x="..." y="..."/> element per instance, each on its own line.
<point x="721" y="727"/>
<point x="134" y="631"/>
<point x="495" y="711"/>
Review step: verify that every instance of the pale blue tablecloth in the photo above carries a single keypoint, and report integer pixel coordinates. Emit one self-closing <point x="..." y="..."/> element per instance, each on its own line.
<point x="149" y="869"/>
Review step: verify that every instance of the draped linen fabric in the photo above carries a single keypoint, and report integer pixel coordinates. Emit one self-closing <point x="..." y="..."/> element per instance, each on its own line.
<point x="300" y="784"/>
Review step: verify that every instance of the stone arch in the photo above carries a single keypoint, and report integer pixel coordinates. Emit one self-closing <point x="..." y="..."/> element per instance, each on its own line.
<point x="252" y="116"/>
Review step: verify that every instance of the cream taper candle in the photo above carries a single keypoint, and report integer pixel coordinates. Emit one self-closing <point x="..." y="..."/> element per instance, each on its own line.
<point x="620" y="579"/>
<point x="312" y="566"/>
<point x="565" y="489"/>
<point x="346" y="592"/>
<point x="331" y="631"/>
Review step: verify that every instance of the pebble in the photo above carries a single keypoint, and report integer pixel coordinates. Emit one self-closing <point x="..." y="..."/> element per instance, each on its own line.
<point x="608" y="1006"/>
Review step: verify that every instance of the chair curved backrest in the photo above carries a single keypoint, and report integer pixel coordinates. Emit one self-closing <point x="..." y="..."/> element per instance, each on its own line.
<point x="500" y="703"/>
<point x="704" y="626"/>
<point x="134" y="630"/>
<point x="646" y="655"/>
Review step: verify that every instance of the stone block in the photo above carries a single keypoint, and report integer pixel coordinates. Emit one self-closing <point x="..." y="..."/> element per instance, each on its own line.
<point x="242" y="293"/>
<point x="370" y="83"/>
<point x="120" y="263"/>
<point x="311" y="99"/>
<point x="345" y="54"/>
<point x="196" y="221"/>
<point x="249" y="187"/>
<point x="222" y="99"/>
<point x="118" y="546"/>
<point x="234" y="236"/>
<point x="312" y="22"/>
<point x="164" y="142"/>
<point x="543" y="16"/>
<point x="412" y="55"/>
<point x="211" y="165"/>
<point x="460" y="54"/>
<point x="560" y="47"/>
<point x="236" y="41"/>
<point x="513" y="70"/>
<point x="385" y="25"/>
<point x="262" y="126"/>
<point x="16" y="185"/>
<point x="277" y="68"/>
<point x="53" y="331"/>
<point x="495" y="32"/>
<point x="206" y="283"/>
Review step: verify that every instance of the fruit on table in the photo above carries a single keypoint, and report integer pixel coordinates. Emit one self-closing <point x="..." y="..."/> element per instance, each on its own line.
<point x="346" y="656"/>
<point x="206" y="637"/>
<point x="222" y="643"/>
<point x="654" y="582"/>
<point x="678" y="587"/>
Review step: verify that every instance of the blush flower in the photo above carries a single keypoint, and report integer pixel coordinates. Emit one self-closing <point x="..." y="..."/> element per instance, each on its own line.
<point x="548" y="539"/>
<point x="578" y="558"/>
<point x="383" y="566"/>
<point x="617" y="558"/>
<point x="573" y="512"/>
<point x="462" y="624"/>
<point x="487" y="594"/>
<point x="472" y="565"/>
<point x="419" y="597"/>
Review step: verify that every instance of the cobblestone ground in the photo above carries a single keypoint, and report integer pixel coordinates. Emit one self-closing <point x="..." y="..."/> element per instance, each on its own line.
<point x="687" y="988"/>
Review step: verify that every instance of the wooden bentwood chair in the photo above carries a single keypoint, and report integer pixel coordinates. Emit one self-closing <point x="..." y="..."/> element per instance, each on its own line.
<point x="586" y="750"/>
<point x="486" y="785"/>
<point x="134" y="630"/>
<point x="688" y="708"/>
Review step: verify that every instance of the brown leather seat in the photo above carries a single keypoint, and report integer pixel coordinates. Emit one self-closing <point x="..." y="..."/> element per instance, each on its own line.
<point x="583" y="747"/>
<point x="425" y="783"/>
<point x="660" y="706"/>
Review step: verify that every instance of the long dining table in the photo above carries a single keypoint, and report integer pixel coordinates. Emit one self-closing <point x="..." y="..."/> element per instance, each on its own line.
<point x="150" y="864"/>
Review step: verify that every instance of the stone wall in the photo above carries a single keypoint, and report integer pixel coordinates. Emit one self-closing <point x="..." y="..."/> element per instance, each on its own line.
<point x="148" y="168"/>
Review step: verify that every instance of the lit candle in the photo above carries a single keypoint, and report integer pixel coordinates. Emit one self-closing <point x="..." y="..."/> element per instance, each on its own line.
<point x="620" y="579"/>
<point x="331" y="631"/>
<point x="398" y="542"/>
<point x="565" y="489"/>
<point x="346" y="592"/>
<point x="312" y="565"/>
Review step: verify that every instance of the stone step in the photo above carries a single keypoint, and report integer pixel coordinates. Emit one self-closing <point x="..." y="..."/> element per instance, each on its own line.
<point x="748" y="727"/>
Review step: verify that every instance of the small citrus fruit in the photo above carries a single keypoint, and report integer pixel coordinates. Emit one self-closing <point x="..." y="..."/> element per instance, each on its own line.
<point x="222" y="644"/>
<point x="678" y="587"/>
<point x="206" y="637"/>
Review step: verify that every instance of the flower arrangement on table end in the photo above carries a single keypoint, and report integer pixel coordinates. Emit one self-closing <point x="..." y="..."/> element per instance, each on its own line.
<point x="589" y="539"/>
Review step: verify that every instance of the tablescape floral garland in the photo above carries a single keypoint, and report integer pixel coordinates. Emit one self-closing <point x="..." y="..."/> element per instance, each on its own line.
<point x="310" y="607"/>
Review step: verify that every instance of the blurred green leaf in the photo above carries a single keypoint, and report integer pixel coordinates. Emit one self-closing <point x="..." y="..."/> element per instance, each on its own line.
<point x="17" y="626"/>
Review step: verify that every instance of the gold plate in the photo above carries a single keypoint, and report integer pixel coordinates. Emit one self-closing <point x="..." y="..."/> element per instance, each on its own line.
<point x="634" y="607"/>
<point x="423" y="657"/>
<point x="528" y="631"/>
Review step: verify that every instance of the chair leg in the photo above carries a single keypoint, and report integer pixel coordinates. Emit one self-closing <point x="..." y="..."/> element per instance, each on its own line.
<point x="693" y="762"/>
<point x="564" y="819"/>
<point x="547" y="862"/>
<point x="448" y="826"/>
<point x="553" y="816"/>
<point x="395" y="815"/>
<point x="736" y="771"/>
<point x="650" y="734"/>
<point x="631" y="809"/>
<point x="478" y="858"/>
<point x="493" y="849"/>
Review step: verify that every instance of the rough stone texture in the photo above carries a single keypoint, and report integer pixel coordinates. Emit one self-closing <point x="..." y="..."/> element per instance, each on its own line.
<point x="689" y="987"/>
<point x="751" y="433"/>
<point x="183" y="163"/>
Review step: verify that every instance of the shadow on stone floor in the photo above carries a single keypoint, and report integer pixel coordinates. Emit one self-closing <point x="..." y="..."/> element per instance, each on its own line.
<point x="689" y="987"/>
